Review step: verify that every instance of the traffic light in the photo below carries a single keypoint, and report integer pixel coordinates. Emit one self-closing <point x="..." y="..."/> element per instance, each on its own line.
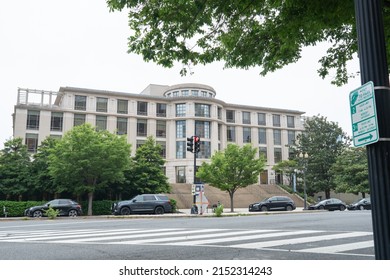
<point x="190" y="144"/>
<point x="197" y="144"/>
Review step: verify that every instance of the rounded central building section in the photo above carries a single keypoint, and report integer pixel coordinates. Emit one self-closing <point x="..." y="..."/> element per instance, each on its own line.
<point x="190" y="89"/>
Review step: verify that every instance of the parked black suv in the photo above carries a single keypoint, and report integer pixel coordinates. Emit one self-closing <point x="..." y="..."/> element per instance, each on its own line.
<point x="66" y="207"/>
<point x="143" y="204"/>
<point x="273" y="203"/>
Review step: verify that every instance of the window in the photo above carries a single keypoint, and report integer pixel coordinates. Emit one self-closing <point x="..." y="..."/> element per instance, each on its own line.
<point x="290" y="121"/>
<point x="121" y="126"/>
<point x="142" y="108"/>
<point x="139" y="143"/>
<point x="180" y="174"/>
<point x="56" y="121"/>
<point x="181" y="149"/>
<point x="202" y="110"/>
<point x="79" y="119"/>
<point x="161" y="110"/>
<point x="57" y="137"/>
<point x="219" y="132"/>
<point x="80" y="103"/>
<point x="161" y="129"/>
<point x="142" y="126"/>
<point x="246" y="133"/>
<point x="32" y="119"/>
<point x="180" y="129"/>
<point x="230" y="116"/>
<point x="231" y="133"/>
<point x="101" y="104"/>
<point x="194" y="92"/>
<point x="163" y="145"/>
<point x="263" y="152"/>
<point x="276" y="120"/>
<point x="122" y="106"/>
<point x="246" y="117"/>
<point x="101" y="123"/>
<point x="277" y="137"/>
<point x="205" y="150"/>
<point x="32" y="142"/>
<point x="291" y="137"/>
<point x="180" y="110"/>
<point x="219" y="113"/>
<point x="202" y="129"/>
<point x="262" y="136"/>
<point x="277" y="155"/>
<point x="261" y="119"/>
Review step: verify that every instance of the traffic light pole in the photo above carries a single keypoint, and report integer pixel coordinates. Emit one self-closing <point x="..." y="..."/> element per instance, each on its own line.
<point x="374" y="67"/>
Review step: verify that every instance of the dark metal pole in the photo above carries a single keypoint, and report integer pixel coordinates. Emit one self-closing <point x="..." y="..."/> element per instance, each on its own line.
<point x="373" y="67"/>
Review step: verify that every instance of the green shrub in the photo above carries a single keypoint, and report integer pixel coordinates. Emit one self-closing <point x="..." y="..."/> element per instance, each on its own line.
<point x="51" y="213"/>
<point x="218" y="210"/>
<point x="174" y="205"/>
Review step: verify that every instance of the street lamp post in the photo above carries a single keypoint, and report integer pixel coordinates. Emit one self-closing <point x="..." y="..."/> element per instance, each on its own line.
<point x="304" y="157"/>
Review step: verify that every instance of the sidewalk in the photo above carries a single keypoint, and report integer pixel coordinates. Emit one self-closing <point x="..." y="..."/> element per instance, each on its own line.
<point x="237" y="211"/>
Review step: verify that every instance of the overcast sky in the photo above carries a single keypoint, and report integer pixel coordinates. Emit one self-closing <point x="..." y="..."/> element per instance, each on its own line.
<point x="47" y="44"/>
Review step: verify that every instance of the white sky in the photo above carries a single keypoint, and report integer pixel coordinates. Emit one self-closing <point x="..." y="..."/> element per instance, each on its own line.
<point x="46" y="44"/>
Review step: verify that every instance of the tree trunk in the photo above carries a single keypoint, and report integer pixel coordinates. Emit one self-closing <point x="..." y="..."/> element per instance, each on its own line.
<point x="90" y="199"/>
<point x="231" y="194"/>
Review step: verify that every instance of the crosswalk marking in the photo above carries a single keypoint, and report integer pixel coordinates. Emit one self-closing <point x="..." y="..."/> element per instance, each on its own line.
<point x="242" y="238"/>
<point x="136" y="234"/>
<point x="339" y="248"/>
<point x="266" y="239"/>
<point x="201" y="236"/>
<point x="301" y="240"/>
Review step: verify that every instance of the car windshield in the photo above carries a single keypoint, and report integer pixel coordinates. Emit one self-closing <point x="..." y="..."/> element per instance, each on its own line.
<point x="265" y="199"/>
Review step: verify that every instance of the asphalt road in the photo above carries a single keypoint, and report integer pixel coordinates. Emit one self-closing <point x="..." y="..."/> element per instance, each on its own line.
<point x="293" y="235"/>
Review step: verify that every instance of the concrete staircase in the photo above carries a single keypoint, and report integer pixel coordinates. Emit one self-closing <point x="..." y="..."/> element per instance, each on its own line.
<point x="242" y="197"/>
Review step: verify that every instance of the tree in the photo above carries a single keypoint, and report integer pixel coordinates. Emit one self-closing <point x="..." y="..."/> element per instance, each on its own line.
<point x="269" y="34"/>
<point x="323" y="141"/>
<point x="147" y="175"/>
<point x="350" y="171"/>
<point x="42" y="182"/>
<point x="286" y="167"/>
<point x="14" y="169"/>
<point x="235" y="167"/>
<point x="88" y="160"/>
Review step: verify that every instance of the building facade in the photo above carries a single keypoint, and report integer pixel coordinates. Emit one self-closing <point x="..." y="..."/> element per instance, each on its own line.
<point x="168" y="113"/>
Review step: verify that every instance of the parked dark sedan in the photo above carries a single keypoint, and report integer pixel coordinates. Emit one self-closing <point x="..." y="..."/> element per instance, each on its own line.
<point x="362" y="204"/>
<point x="143" y="204"/>
<point x="66" y="207"/>
<point x="330" y="204"/>
<point x="273" y="203"/>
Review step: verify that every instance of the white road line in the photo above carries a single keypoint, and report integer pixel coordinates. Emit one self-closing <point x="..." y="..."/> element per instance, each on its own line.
<point x="339" y="248"/>
<point x="141" y="234"/>
<point x="273" y="243"/>
<point x="31" y="234"/>
<point x="71" y="234"/>
<point x="241" y="238"/>
<point x="194" y="236"/>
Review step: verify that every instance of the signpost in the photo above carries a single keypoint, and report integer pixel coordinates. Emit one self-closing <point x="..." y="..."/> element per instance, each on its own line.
<point x="363" y="115"/>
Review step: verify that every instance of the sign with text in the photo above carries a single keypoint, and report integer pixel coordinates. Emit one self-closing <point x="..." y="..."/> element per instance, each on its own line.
<point x="363" y="115"/>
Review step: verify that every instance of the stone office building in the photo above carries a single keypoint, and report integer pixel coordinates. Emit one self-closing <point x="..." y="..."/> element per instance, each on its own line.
<point x="168" y="113"/>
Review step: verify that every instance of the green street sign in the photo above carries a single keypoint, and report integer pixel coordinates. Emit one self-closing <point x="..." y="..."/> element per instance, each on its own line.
<point x="363" y="115"/>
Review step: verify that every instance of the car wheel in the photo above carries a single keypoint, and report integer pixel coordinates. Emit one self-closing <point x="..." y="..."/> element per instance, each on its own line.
<point x="361" y="207"/>
<point x="159" y="210"/>
<point x="342" y="208"/>
<point x="289" y="208"/>
<point x="321" y="207"/>
<point x="264" y="208"/>
<point x="72" y="213"/>
<point x="37" y="214"/>
<point x="125" y="211"/>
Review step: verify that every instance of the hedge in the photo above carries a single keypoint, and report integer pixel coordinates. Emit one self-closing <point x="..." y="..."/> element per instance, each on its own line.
<point x="100" y="207"/>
